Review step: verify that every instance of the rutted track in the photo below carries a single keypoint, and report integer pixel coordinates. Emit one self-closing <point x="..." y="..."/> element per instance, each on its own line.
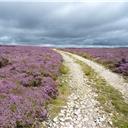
<point x="81" y="110"/>
<point x="111" y="78"/>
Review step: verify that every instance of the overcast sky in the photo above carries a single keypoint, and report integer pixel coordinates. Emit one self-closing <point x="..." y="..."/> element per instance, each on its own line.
<point x="64" y="23"/>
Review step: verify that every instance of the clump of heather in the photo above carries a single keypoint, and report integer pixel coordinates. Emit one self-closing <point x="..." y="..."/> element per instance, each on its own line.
<point x="3" y="61"/>
<point x="27" y="81"/>
<point x="114" y="58"/>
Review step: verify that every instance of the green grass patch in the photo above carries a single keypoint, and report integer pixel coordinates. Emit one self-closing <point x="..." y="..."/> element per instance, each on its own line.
<point x="109" y="97"/>
<point x="126" y="78"/>
<point x="64" y="69"/>
<point x="54" y="106"/>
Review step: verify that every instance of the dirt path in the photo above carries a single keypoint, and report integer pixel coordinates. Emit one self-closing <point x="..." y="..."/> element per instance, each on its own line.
<point x="113" y="79"/>
<point x="81" y="110"/>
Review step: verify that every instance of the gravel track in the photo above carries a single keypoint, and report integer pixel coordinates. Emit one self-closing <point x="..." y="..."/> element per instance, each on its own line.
<point x="111" y="78"/>
<point x="82" y="110"/>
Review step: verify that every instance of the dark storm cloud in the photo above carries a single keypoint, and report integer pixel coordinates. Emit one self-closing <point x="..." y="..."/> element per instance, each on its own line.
<point x="64" y="23"/>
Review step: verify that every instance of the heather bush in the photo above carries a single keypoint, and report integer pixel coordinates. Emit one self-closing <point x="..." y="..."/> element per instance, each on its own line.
<point x="3" y="61"/>
<point x="26" y="84"/>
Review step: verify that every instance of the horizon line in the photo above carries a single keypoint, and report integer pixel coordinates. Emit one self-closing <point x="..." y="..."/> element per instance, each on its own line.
<point x="69" y="46"/>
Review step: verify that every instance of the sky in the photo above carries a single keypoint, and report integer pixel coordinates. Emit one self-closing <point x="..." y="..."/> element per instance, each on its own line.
<point x="64" y="23"/>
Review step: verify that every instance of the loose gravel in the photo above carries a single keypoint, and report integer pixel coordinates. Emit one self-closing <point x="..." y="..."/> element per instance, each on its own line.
<point x="82" y="110"/>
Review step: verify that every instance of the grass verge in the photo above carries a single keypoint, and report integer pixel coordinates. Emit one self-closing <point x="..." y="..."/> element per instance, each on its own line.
<point x="63" y="69"/>
<point x="55" y="105"/>
<point x="110" y="98"/>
